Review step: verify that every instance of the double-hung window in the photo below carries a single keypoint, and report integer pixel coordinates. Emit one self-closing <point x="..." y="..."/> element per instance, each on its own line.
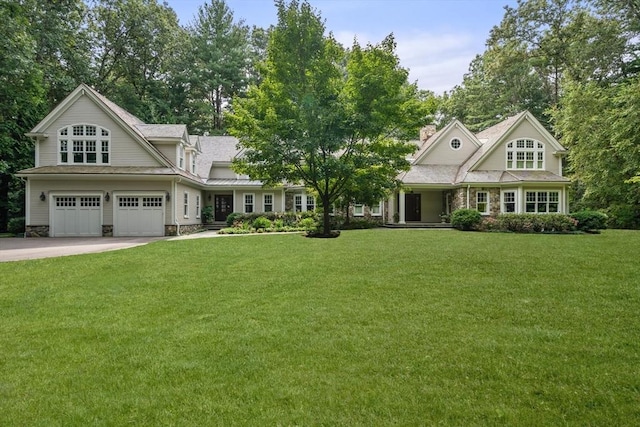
<point x="181" y="156"/>
<point x="358" y="209"/>
<point x="376" y="210"/>
<point x="542" y="201"/>
<point x="509" y="202"/>
<point x="84" y="145"/>
<point x="303" y="202"/>
<point x="311" y="202"/>
<point x="248" y="203"/>
<point x="267" y="204"/>
<point x="198" y="206"/>
<point x="185" y="209"/>
<point x="482" y="202"/>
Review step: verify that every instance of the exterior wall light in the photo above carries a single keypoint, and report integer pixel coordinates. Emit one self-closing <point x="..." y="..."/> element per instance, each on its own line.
<point x="107" y="197"/>
<point x="168" y="196"/>
<point x="42" y="196"/>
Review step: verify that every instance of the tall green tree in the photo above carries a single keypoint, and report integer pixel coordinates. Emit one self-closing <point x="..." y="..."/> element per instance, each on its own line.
<point x="322" y="116"/>
<point x="133" y="43"/>
<point x="23" y="101"/>
<point x="599" y="124"/>
<point x="220" y="63"/>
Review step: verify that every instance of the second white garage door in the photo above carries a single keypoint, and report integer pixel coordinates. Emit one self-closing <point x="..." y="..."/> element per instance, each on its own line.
<point x="139" y="216"/>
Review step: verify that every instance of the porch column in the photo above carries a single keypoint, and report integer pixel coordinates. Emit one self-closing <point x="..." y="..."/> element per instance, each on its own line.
<point x="401" y="206"/>
<point x="391" y="209"/>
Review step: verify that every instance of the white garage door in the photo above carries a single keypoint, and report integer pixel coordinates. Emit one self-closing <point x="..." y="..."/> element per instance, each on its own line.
<point x="76" y="216"/>
<point x="139" y="216"/>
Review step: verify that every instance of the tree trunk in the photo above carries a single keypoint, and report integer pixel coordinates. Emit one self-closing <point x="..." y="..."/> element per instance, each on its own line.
<point x="326" y="219"/>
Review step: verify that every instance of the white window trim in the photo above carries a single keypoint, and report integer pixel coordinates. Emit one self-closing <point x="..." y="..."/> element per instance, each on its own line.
<point x="515" y="199"/>
<point x="487" y="210"/>
<point x="185" y="206"/>
<point x="264" y="202"/>
<point x="358" y="209"/>
<point x="244" y="202"/>
<point x="303" y="201"/>
<point x="514" y="150"/>
<point x="181" y="156"/>
<point x="98" y="138"/>
<point x="193" y="163"/>
<point x="379" y="207"/>
<point x="540" y="190"/>
<point x="198" y="206"/>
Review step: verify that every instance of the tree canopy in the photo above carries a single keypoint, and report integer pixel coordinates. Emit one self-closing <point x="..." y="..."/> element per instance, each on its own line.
<point x="329" y="118"/>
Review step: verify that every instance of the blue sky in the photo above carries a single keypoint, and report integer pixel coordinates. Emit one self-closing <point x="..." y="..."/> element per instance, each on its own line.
<point x="436" y="39"/>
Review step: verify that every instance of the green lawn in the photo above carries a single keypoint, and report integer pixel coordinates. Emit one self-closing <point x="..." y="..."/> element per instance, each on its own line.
<point x="377" y="327"/>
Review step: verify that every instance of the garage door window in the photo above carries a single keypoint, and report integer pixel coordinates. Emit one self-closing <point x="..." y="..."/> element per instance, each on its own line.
<point x="89" y="201"/>
<point x="65" y="201"/>
<point x="128" y="202"/>
<point x="148" y="202"/>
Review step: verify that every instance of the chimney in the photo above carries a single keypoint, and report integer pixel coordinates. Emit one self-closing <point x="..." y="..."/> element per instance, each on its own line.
<point x="427" y="132"/>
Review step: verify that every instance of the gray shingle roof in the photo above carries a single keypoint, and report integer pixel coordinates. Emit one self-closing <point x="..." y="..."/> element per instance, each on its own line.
<point x="233" y="182"/>
<point x="216" y="149"/>
<point x="533" y="176"/>
<point x="430" y="174"/>
<point x="151" y="131"/>
<point x="114" y="170"/>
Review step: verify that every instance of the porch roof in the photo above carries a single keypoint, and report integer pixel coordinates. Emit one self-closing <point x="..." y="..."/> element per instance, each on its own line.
<point x="430" y="174"/>
<point x="217" y="182"/>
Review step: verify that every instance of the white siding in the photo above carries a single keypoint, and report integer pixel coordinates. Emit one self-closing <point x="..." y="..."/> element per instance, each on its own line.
<point x="125" y="151"/>
<point x="497" y="159"/>
<point x="179" y="203"/>
<point x="442" y="154"/>
<point x="40" y="210"/>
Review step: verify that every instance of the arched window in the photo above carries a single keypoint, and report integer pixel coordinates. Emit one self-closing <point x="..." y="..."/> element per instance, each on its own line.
<point x="525" y="154"/>
<point x="82" y="144"/>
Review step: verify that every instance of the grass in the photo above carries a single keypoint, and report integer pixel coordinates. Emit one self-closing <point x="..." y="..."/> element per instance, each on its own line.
<point x="377" y="327"/>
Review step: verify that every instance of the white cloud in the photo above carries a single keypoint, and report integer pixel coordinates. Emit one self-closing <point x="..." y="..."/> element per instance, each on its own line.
<point x="436" y="61"/>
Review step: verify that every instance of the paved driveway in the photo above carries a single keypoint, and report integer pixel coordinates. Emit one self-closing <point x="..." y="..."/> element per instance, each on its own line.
<point x="15" y="249"/>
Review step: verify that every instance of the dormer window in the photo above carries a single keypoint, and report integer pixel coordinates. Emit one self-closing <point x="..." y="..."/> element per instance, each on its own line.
<point x="84" y="145"/>
<point x="193" y="163"/>
<point x="181" y="156"/>
<point x="525" y="154"/>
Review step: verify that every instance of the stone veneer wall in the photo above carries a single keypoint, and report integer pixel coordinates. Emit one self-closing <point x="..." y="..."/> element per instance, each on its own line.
<point x="107" y="231"/>
<point x="171" y="230"/>
<point x="36" y="231"/>
<point x="459" y="199"/>
<point x="494" y="199"/>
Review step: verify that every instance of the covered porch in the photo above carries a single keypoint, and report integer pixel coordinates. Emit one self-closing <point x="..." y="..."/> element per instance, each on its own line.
<point x="421" y="206"/>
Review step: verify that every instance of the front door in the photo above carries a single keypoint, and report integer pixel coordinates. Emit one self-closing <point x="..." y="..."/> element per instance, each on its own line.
<point x="412" y="207"/>
<point x="223" y="207"/>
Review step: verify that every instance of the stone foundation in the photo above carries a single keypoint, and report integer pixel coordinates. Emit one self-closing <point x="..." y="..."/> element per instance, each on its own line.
<point x="107" y="231"/>
<point x="172" y="230"/>
<point x="36" y="231"/>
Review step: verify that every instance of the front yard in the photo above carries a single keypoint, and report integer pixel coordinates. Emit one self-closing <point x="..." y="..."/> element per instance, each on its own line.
<point x="406" y="327"/>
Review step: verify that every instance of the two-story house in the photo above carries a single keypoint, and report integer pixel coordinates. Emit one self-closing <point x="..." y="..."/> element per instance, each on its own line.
<point x="100" y="171"/>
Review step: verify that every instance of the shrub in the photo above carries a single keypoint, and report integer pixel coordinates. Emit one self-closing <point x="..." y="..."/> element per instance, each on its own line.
<point x="207" y="214"/>
<point x="535" y="223"/>
<point x="623" y="216"/>
<point x="16" y="225"/>
<point x="466" y="219"/>
<point x="360" y="224"/>
<point x="308" y="224"/>
<point x="261" y="223"/>
<point x="232" y="217"/>
<point x="589" y="220"/>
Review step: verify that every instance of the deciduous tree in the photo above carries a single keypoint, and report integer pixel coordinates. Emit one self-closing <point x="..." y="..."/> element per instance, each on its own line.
<point x="323" y="116"/>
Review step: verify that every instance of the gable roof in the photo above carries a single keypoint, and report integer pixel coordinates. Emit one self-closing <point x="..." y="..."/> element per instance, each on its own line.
<point x="497" y="134"/>
<point x="155" y="131"/>
<point x="430" y="143"/>
<point x="126" y="120"/>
